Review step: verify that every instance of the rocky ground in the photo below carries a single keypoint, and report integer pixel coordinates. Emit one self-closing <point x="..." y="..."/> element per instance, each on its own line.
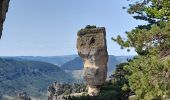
<point x="57" y="91"/>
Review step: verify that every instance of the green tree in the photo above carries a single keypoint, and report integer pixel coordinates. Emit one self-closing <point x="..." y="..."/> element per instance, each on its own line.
<point x="149" y="77"/>
<point x="149" y="72"/>
<point x="120" y="82"/>
<point x="154" y="36"/>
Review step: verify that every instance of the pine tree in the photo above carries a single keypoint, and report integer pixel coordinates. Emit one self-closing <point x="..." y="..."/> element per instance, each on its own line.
<point x="153" y="37"/>
<point x="149" y="71"/>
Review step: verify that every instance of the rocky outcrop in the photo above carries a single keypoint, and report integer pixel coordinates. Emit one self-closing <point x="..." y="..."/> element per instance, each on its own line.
<point x="58" y="90"/>
<point x="23" y="96"/>
<point x="3" y="9"/>
<point x="92" y="48"/>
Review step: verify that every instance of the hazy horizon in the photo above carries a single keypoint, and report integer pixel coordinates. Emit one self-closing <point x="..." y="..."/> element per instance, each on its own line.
<point x="55" y="55"/>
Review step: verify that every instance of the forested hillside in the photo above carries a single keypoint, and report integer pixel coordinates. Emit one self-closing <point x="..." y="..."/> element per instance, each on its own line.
<point x="32" y="77"/>
<point x="57" y="60"/>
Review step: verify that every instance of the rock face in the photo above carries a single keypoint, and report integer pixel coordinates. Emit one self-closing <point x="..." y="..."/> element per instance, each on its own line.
<point x="57" y="90"/>
<point x="3" y="9"/>
<point x="23" y="96"/>
<point x="92" y="48"/>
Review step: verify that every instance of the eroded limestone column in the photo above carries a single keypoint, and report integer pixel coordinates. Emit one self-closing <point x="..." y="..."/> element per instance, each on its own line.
<point x="3" y="9"/>
<point x="92" y="48"/>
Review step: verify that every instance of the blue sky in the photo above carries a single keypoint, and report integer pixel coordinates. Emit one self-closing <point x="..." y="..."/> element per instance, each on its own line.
<point x="49" y="27"/>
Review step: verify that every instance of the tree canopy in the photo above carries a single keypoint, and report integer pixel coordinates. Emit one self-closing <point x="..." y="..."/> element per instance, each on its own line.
<point x="149" y="72"/>
<point x="154" y="36"/>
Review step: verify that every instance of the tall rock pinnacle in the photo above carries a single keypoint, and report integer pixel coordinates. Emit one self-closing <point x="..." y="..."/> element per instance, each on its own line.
<point x="92" y="48"/>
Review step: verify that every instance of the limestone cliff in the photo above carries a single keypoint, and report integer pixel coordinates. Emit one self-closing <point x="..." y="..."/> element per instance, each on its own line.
<point x="3" y="10"/>
<point x="92" y="48"/>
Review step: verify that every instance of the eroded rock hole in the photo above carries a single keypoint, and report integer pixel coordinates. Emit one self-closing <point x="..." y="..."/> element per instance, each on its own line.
<point x="92" y="41"/>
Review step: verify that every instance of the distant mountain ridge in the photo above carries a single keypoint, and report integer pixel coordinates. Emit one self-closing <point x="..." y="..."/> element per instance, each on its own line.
<point x="30" y="76"/>
<point x="77" y="63"/>
<point x="75" y="66"/>
<point x="62" y="61"/>
<point x="56" y="60"/>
